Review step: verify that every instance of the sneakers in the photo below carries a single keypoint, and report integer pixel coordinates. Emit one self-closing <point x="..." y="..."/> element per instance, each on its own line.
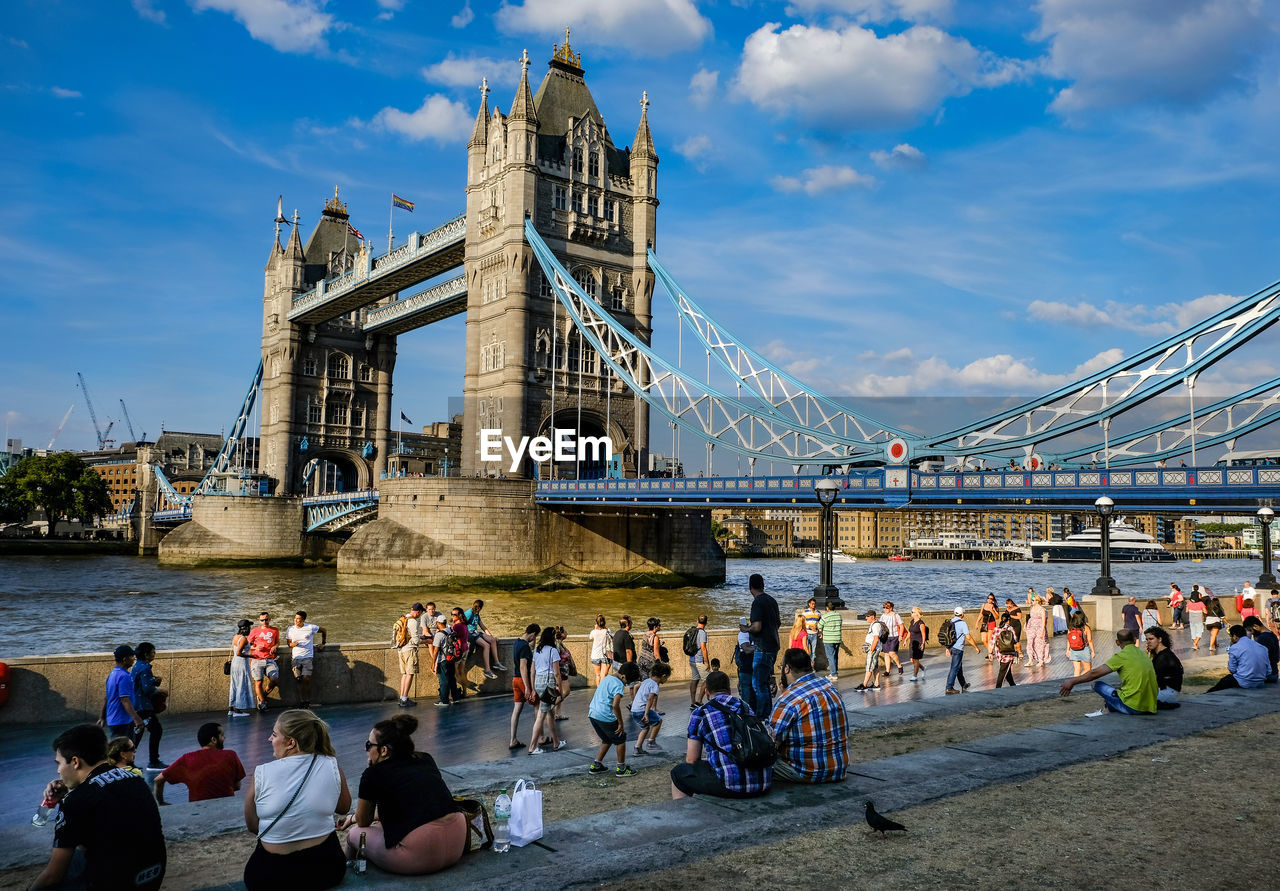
<point x="874" y="687"/>
<point x="899" y="669"/>
<point x="833" y="677"/>
<point x="693" y="706"/>
<point x="860" y="688"/>
<point x="913" y="679"/>
<point x="965" y="686"/>
<point x="498" y="666"/>
<point x="440" y="704"/>
<point x="262" y="706"/>
<point x="407" y="703"/>
<point x="652" y="746"/>
<point x="624" y="771"/>
<point x="596" y="767"/>
<point x="490" y="675"/>
<point x="951" y="690"/>
<point x="560" y="745"/>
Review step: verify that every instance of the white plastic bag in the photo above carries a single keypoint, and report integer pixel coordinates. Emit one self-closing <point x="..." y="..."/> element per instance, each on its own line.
<point x="526" y="813"/>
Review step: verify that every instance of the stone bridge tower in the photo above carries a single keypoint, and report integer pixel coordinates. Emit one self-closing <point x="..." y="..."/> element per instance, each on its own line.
<point x="552" y="159"/>
<point x="326" y="388"/>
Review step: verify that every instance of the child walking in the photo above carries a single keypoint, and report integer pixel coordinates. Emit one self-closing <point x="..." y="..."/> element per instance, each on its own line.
<point x="605" y="715"/>
<point x="644" y="708"/>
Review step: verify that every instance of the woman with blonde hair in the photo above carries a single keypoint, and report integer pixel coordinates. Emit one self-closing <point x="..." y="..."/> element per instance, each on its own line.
<point x="601" y="649"/>
<point x="799" y="637"/>
<point x="121" y="751"/>
<point x="918" y="635"/>
<point x="295" y="797"/>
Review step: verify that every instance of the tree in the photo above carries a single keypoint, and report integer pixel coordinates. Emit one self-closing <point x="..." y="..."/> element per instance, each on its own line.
<point x="61" y="485"/>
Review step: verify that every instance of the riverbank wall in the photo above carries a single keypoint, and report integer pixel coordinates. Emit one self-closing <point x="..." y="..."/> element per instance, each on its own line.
<point x="65" y="547"/>
<point x="68" y="689"/>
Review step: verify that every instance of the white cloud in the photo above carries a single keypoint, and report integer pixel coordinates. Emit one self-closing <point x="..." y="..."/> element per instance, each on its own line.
<point x="146" y="9"/>
<point x="698" y="150"/>
<point x="63" y="93"/>
<point x="438" y="119"/>
<point x="876" y="10"/>
<point x="817" y="180"/>
<point x="389" y="9"/>
<point x="467" y="72"/>
<point x="464" y="17"/>
<point x="1157" y="321"/>
<point x="291" y="26"/>
<point x="657" y="27"/>
<point x="902" y="155"/>
<point x="702" y="87"/>
<point x="849" y="76"/>
<point x="1126" y="52"/>
<point x="1001" y="374"/>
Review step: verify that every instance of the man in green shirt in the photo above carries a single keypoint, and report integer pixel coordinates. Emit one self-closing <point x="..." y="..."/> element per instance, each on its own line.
<point x="830" y="626"/>
<point x="1138" y="687"/>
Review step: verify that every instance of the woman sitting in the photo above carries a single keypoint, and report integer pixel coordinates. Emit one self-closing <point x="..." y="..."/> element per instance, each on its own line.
<point x="121" y="751"/>
<point x="290" y="805"/>
<point x="418" y="829"/>
<point x="1168" y="667"/>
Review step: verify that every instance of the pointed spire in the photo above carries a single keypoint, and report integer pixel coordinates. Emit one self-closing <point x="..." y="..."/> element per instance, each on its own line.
<point x="294" y="250"/>
<point x="480" y="132"/>
<point x="279" y="221"/>
<point x="643" y="146"/>
<point x="522" y="105"/>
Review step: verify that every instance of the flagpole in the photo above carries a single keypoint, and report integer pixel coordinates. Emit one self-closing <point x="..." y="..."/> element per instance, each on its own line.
<point x="391" y="211"/>
<point x="399" y="441"/>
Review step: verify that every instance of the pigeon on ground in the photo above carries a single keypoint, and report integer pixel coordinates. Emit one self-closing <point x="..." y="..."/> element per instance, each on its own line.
<point x="881" y="824"/>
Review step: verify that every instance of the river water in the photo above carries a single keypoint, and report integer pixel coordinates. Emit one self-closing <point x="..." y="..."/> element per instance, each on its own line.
<point x="54" y="605"/>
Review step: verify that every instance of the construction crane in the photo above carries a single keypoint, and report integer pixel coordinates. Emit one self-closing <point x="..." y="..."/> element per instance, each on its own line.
<point x="70" y="408"/>
<point x="129" y="424"/>
<point x="93" y="416"/>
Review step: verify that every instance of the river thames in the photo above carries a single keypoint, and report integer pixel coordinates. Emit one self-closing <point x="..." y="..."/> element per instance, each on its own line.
<point x="91" y="604"/>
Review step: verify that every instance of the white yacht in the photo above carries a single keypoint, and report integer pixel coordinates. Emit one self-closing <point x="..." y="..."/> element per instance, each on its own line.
<point x="836" y="557"/>
<point x="1128" y="545"/>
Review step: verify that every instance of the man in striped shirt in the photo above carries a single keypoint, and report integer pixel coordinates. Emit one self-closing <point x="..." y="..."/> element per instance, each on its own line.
<point x="808" y="724"/>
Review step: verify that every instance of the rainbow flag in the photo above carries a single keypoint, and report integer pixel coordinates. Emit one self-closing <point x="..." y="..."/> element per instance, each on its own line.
<point x="1070" y="601"/>
<point x="397" y="201"/>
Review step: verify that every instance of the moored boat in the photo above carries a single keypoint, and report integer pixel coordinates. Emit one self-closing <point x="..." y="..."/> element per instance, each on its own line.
<point x="1128" y="545"/>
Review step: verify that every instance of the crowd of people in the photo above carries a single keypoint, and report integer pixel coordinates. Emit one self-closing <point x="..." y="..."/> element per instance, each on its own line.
<point x="791" y="727"/>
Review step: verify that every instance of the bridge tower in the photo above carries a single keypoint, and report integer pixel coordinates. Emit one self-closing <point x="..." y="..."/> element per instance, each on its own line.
<point x="552" y="159"/>
<point x="326" y="388"/>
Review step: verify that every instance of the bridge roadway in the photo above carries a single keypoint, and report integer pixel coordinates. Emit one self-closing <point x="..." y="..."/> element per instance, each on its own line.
<point x="422" y="257"/>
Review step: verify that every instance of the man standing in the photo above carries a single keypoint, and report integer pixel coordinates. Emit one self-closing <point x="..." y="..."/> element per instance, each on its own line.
<point x="522" y="678"/>
<point x="871" y="646"/>
<point x="1248" y="662"/>
<point x="809" y="724"/>
<point x="1138" y="685"/>
<point x="624" y="647"/>
<point x="698" y="661"/>
<point x="211" y="771"/>
<point x="1132" y="615"/>
<point x="440" y="646"/>
<point x="264" y="670"/>
<point x="408" y="639"/>
<point x="961" y="631"/>
<point x="121" y="718"/>
<point x="811" y="618"/>
<point x="107" y="833"/>
<point x="893" y="624"/>
<point x="146" y="684"/>
<point x="763" y="629"/>
<point x="302" y="637"/>
<point x="831" y="625"/>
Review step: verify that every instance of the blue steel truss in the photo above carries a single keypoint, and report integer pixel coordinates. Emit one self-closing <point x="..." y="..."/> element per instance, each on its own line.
<point x="341" y="509"/>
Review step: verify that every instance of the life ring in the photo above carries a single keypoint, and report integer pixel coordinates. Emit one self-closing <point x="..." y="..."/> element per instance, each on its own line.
<point x="4" y="683"/>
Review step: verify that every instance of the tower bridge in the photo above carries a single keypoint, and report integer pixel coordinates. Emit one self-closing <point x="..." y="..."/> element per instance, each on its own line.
<point x="554" y="263"/>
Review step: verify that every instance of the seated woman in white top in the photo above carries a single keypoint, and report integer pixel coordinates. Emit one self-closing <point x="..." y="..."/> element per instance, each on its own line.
<point x="291" y="803"/>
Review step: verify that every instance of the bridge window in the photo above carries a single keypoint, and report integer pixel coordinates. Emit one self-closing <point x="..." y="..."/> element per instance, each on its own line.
<point x="577" y="160"/>
<point x="593" y="164"/>
<point x="617" y="301"/>
<point x="608" y="209"/>
<point x="579" y="201"/>
<point x="357" y="415"/>
<point x="339" y="367"/>
<point x="562" y="198"/>
<point x="544" y="287"/>
<point x="338" y="413"/>
<point x="313" y="410"/>
<point x="587" y="280"/>
<point x="366" y="372"/>
<point x="493" y="355"/>
<point x="309" y="366"/>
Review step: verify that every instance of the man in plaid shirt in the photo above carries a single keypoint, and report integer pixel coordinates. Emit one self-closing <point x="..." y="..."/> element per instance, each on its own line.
<point x="809" y="725"/>
<point x="718" y="775"/>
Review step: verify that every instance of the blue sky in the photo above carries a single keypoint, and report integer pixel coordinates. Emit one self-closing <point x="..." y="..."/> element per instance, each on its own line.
<point x="887" y="197"/>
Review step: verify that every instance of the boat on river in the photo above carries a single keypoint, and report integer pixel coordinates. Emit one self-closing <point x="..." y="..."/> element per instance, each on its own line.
<point x="1128" y="545"/>
<point x="836" y="557"/>
<point x="901" y="558"/>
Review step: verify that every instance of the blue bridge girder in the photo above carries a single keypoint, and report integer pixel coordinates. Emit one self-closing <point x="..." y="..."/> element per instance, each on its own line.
<point x="421" y="258"/>
<point x="339" y="509"/>
<point x="1180" y="490"/>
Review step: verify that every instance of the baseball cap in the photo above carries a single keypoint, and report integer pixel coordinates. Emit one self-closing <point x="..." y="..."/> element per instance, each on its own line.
<point x="743" y="620"/>
<point x="442" y="619"/>
<point x="124" y="651"/>
<point x="959" y="610"/>
<point x="418" y="606"/>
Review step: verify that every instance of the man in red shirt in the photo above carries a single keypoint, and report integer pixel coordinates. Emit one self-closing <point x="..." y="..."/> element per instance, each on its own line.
<point x="263" y="667"/>
<point x="209" y="772"/>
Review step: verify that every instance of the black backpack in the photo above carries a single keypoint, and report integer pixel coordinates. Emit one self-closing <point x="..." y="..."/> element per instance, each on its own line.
<point x="1006" y="642"/>
<point x="947" y="634"/>
<point x="691" y="641"/>
<point x="884" y="633"/>
<point x="750" y="744"/>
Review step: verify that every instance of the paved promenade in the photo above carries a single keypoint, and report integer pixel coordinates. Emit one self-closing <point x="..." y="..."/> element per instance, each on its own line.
<point x="469" y="741"/>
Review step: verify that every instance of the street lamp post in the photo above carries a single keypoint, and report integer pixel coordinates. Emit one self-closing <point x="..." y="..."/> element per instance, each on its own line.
<point x="1267" y="580"/>
<point x="1106" y="585"/>
<point x="826" y="491"/>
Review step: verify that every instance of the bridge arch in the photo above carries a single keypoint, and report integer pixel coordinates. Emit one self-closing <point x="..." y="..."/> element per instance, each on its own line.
<point x="593" y="423"/>
<point x="334" y="470"/>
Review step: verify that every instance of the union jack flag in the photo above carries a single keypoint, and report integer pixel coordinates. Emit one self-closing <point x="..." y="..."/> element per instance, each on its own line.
<point x="354" y="231"/>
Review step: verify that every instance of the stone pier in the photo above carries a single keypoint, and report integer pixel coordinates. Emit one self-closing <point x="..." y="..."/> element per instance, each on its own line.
<point x="238" y="529"/>
<point x="441" y="531"/>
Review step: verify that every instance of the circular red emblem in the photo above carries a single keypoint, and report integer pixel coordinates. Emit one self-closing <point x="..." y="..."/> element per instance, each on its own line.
<point x="896" y="450"/>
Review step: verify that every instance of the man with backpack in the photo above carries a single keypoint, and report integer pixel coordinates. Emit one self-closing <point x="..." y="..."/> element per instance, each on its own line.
<point x="739" y="751"/>
<point x="877" y="635"/>
<point x="406" y="637"/>
<point x="695" y="647"/>
<point x="952" y="635"/>
<point x="445" y="657"/>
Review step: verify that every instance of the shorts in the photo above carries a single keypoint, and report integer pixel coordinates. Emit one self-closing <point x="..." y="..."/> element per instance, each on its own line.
<point x="701" y="779"/>
<point x="602" y="661"/>
<point x="695" y="673"/>
<point x="302" y="667"/>
<point x="608" y="732"/>
<point x="1079" y="655"/>
<point x="408" y="660"/>
<point x="518" y="692"/>
<point x="891" y="645"/>
<point x="260" y="667"/>
<point x="652" y="717"/>
<point x="917" y="649"/>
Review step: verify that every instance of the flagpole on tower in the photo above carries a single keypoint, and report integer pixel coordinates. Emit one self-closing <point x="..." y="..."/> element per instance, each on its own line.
<point x="391" y="213"/>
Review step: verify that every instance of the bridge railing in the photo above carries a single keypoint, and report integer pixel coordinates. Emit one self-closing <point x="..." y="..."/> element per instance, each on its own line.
<point x="666" y="488"/>
<point x="417" y="302"/>
<point x="341" y="497"/>
<point x="1097" y="478"/>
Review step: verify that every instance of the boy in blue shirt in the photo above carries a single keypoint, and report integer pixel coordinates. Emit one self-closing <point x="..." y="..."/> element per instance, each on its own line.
<point x="605" y="715"/>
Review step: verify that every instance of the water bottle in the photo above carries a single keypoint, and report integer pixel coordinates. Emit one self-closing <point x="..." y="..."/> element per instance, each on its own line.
<point x="41" y="816"/>
<point x="501" y="825"/>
